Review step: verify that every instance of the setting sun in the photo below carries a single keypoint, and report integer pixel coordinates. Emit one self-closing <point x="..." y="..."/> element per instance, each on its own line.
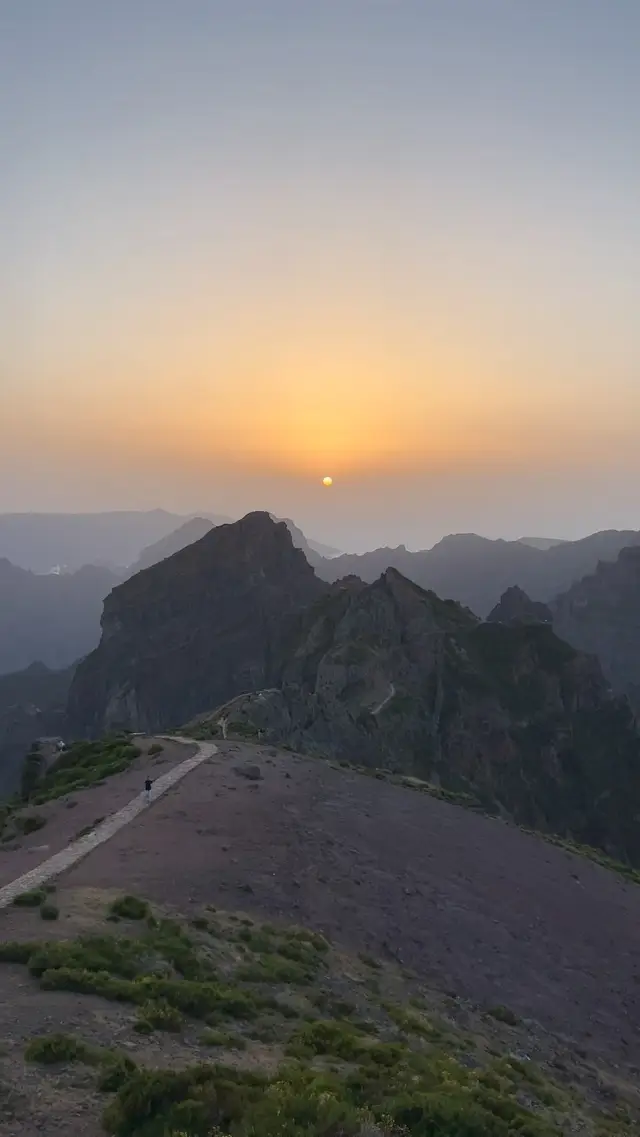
<point x="327" y="481"/>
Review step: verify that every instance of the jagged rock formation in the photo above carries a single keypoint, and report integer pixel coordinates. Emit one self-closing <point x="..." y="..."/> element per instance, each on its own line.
<point x="390" y="675"/>
<point x="515" y="607"/>
<point x="601" y="614"/>
<point x="193" y="630"/>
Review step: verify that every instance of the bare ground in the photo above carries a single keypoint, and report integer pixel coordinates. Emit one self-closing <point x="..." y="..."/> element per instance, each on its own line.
<point x="68" y="816"/>
<point x="473" y="907"/>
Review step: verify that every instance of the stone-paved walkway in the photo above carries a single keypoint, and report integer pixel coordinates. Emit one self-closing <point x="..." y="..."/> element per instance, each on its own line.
<point x="79" y="849"/>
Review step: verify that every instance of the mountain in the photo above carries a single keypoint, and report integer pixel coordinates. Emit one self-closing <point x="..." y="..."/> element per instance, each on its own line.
<point x="55" y="619"/>
<point x="601" y="614"/>
<point x="515" y="607"/>
<point x="476" y="571"/>
<point x="40" y="541"/>
<point x="311" y="549"/>
<point x="193" y="630"/>
<point x="37" y="685"/>
<point x="192" y="530"/>
<point x="389" y="675"/>
<point x="196" y="528"/>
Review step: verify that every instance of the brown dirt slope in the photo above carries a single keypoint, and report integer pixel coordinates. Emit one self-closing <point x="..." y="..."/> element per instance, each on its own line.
<point x="473" y="906"/>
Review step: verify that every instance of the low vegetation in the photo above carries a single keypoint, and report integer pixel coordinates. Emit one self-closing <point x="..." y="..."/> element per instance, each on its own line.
<point x="33" y="898"/>
<point x="293" y="1040"/>
<point x="49" y="911"/>
<point x="82" y="765"/>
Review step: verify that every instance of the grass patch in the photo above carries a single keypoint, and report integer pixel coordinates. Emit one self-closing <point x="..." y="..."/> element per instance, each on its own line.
<point x="222" y="1039"/>
<point x="130" y="908"/>
<point x="154" y="749"/>
<point x="329" y="1037"/>
<point x="427" y="1097"/>
<point x="53" y="1049"/>
<point x="31" y="899"/>
<point x="82" y="765"/>
<point x="343" y="1075"/>
<point x="158" y="1016"/>
<point x="503" y="1015"/>
<point x="49" y="911"/>
<point x="30" y="823"/>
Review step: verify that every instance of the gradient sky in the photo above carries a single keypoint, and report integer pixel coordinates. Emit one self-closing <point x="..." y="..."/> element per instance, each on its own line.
<point x="246" y="243"/>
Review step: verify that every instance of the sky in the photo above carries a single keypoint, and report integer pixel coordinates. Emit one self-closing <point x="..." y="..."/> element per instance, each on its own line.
<point x="245" y="244"/>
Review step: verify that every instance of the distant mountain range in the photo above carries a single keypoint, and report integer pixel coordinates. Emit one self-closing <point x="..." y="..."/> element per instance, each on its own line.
<point x="476" y="571"/>
<point x="54" y="619"/>
<point x="41" y="542"/>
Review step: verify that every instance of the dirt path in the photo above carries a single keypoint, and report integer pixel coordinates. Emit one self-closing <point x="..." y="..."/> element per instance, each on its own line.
<point x="77" y="850"/>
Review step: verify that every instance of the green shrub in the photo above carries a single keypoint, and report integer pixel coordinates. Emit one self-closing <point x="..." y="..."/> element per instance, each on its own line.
<point x="31" y="899"/>
<point x="156" y="748"/>
<point x="158" y="1016"/>
<point x="130" y="908"/>
<point x="11" y="951"/>
<point x="222" y="1039"/>
<point x="49" y="911"/>
<point x="116" y="1069"/>
<point x="55" y="1048"/>
<point x="195" y="1101"/>
<point x="114" y="955"/>
<point x="82" y="765"/>
<point x="30" y="823"/>
<point x="503" y="1015"/>
<point x="329" y="1036"/>
<point x="197" y="1000"/>
<point x="272" y="969"/>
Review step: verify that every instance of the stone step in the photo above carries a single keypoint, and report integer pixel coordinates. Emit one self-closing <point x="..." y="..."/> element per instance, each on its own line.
<point x="79" y="849"/>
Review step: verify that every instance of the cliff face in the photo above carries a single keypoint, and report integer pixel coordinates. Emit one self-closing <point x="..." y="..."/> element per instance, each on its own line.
<point x="194" y="629"/>
<point x="389" y="675"/>
<point x="601" y="614"/>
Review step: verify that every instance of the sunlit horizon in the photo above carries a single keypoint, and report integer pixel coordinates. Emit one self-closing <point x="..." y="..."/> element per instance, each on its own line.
<point x="247" y="245"/>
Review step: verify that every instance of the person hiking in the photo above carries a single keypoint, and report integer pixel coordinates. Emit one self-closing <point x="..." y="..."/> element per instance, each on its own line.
<point x="147" y="789"/>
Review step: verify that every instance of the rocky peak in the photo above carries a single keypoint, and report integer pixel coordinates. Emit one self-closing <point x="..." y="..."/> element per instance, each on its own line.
<point x="194" y="629"/>
<point x="515" y="607"/>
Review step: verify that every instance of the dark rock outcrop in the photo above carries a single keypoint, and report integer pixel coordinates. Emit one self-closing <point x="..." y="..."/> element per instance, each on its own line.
<point x="388" y="675"/>
<point x="515" y="607"/>
<point x="601" y="614"/>
<point x="193" y="630"/>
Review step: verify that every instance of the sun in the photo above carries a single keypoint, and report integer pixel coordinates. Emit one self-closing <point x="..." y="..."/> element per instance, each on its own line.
<point x="327" y="481"/>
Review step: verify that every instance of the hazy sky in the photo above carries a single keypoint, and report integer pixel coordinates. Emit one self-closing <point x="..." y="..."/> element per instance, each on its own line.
<point x="247" y="243"/>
